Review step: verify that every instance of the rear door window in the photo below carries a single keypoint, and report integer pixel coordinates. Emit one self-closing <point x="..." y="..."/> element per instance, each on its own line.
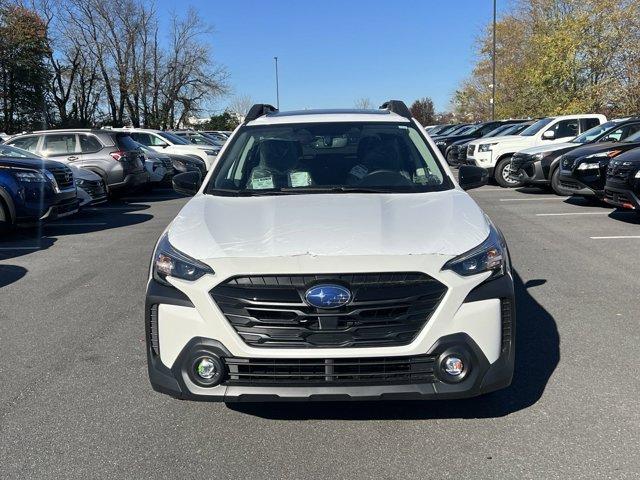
<point x="589" y="123"/>
<point x="60" y="144"/>
<point x="89" y="144"/>
<point x="565" y="128"/>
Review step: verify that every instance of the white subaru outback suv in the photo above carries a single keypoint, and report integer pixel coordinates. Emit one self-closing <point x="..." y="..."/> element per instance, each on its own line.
<point x="330" y="255"/>
<point x="495" y="153"/>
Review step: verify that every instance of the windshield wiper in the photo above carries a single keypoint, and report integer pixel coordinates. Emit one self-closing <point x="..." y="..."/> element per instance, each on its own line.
<point x="294" y="190"/>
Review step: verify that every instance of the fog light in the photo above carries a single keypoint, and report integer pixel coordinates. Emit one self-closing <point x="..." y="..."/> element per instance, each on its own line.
<point x="206" y="368"/>
<point x="453" y="366"/>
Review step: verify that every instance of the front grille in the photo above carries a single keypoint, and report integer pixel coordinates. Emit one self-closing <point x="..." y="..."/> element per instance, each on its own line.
<point x="344" y="371"/>
<point x="387" y="309"/>
<point x="462" y="154"/>
<point x="470" y="150"/>
<point x="517" y="161"/>
<point x="618" y="198"/>
<point x="621" y="170"/>
<point x="570" y="185"/>
<point x="167" y="163"/>
<point x="63" y="176"/>
<point x="567" y="163"/>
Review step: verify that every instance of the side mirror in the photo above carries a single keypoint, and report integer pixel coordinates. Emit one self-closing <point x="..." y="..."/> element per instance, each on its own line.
<point x="549" y="135"/>
<point x="187" y="183"/>
<point x="470" y="176"/>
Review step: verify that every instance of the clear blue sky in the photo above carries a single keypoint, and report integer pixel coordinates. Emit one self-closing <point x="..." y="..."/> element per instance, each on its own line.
<point x="332" y="52"/>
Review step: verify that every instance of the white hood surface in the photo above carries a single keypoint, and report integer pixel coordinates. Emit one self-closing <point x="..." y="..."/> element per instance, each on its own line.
<point x="504" y="138"/>
<point x="443" y="223"/>
<point x="548" y="148"/>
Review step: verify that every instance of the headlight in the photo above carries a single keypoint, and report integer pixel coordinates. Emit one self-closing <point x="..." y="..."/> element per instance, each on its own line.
<point x="637" y="175"/>
<point x="211" y="152"/>
<point x="26" y="176"/>
<point x="538" y="156"/>
<point x="607" y="154"/>
<point x="441" y="143"/>
<point x="489" y="256"/>
<point x="167" y="261"/>
<point x="80" y="182"/>
<point x="485" y="147"/>
<point x="588" y="165"/>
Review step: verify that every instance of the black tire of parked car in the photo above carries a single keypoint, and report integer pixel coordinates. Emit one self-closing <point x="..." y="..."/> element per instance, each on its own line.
<point x="555" y="183"/>
<point x="450" y="160"/>
<point x="501" y="173"/>
<point x="5" y="217"/>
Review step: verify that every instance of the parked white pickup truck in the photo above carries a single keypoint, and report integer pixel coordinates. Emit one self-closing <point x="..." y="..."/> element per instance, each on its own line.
<point x="495" y="153"/>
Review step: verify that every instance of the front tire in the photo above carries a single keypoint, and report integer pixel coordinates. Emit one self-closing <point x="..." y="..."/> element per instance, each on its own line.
<point x="501" y="174"/>
<point x="555" y="184"/>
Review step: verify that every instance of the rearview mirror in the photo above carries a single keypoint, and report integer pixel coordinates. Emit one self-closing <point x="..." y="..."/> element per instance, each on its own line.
<point x="549" y="135"/>
<point x="187" y="183"/>
<point x="470" y="176"/>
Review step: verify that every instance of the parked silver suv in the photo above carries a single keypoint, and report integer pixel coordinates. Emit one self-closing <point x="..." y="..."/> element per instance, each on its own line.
<point x="114" y="156"/>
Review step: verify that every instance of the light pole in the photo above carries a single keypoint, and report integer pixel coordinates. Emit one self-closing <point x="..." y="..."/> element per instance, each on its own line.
<point x="493" y="61"/>
<point x="277" y="85"/>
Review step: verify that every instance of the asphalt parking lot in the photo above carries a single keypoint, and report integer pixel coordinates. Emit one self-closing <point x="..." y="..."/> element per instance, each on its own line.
<point x="75" y="401"/>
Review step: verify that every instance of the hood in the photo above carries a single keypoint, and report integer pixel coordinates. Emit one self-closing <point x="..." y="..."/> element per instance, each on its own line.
<point x="549" y="148"/>
<point x="504" y="138"/>
<point x="600" y="147"/>
<point x="83" y="174"/>
<point x="154" y="154"/>
<point x="442" y="223"/>
<point x="632" y="156"/>
<point x="33" y="163"/>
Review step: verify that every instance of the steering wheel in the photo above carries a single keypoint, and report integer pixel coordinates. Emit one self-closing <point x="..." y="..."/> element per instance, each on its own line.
<point x="385" y="178"/>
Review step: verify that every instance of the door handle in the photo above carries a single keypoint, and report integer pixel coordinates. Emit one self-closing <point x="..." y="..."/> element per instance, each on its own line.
<point x="72" y="158"/>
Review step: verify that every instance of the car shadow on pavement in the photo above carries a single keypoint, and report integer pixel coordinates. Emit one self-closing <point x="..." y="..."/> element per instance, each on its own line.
<point x="627" y="216"/>
<point x="537" y="355"/>
<point x="10" y="274"/>
<point x="25" y="240"/>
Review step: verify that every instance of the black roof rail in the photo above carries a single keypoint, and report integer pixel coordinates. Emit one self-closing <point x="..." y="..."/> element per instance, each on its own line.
<point x="258" y="110"/>
<point x="399" y="107"/>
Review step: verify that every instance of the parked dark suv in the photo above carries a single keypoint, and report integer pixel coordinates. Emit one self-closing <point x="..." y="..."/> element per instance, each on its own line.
<point x="112" y="155"/>
<point x="622" y="188"/>
<point x="34" y="189"/>
<point x="583" y="171"/>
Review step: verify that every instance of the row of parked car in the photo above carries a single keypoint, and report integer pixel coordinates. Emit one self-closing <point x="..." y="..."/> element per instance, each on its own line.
<point x="50" y="174"/>
<point x="582" y="155"/>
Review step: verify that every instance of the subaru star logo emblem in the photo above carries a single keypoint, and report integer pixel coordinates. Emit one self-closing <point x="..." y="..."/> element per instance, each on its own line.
<point x="327" y="296"/>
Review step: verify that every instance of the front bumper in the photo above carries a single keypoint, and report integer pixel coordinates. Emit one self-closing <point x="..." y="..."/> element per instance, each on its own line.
<point x="61" y="210"/>
<point x="479" y="325"/>
<point x="575" y="186"/>
<point x="528" y="172"/>
<point x="622" y="197"/>
<point x="131" y="180"/>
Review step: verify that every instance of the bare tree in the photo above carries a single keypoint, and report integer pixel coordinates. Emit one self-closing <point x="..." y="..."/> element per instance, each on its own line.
<point x="363" y="103"/>
<point x="240" y="105"/>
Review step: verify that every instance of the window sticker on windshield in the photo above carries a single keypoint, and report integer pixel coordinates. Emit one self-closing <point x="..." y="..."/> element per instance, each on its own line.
<point x="299" y="179"/>
<point x="260" y="183"/>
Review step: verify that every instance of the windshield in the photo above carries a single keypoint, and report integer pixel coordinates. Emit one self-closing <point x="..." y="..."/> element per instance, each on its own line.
<point x="594" y="132"/>
<point x="459" y="130"/>
<point x="173" y="138"/>
<point x="448" y="130"/>
<point x="536" y="127"/>
<point x="328" y="158"/>
<point x="14" y="152"/>
<point x="501" y="130"/>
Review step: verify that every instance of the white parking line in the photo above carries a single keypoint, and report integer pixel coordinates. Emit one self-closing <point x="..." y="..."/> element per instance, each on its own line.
<point x="531" y="199"/>
<point x="570" y="213"/>
<point x="615" y="237"/>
